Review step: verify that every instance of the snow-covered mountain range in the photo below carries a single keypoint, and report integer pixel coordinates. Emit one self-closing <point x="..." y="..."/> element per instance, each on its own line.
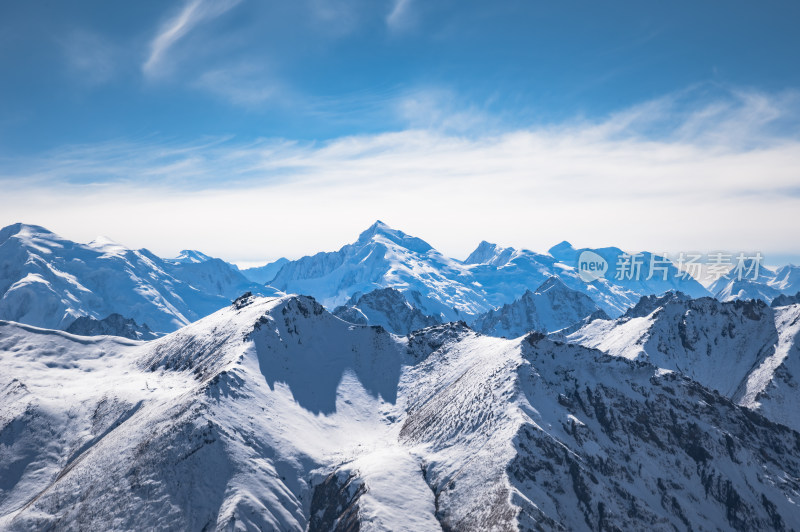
<point x="633" y="405"/>
<point x="745" y="350"/>
<point x="451" y="289"/>
<point x="551" y="307"/>
<point x="264" y="274"/>
<point x="49" y="281"/>
<point x="273" y="414"/>
<point x="769" y="285"/>
<point x="388" y="308"/>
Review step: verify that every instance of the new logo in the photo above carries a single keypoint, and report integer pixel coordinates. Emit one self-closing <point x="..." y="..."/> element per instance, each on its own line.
<point x="591" y="266"/>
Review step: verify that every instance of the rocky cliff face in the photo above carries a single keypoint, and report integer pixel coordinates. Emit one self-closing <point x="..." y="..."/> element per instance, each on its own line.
<point x="112" y="325"/>
<point x="550" y="307"/>
<point x="388" y="308"/>
<point x="745" y="350"/>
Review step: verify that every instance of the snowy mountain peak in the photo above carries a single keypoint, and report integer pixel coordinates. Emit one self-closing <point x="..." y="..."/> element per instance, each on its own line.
<point x="484" y="252"/>
<point x="563" y="251"/>
<point x="49" y="281"/>
<point x="383" y="257"/>
<point x="379" y="231"/>
<point x="488" y="253"/>
<point x="29" y="235"/>
<point x="191" y="256"/>
<point x="551" y="307"/>
<point x="22" y="229"/>
<point x="101" y="241"/>
<point x="108" y="246"/>
<point x="387" y="307"/>
<point x="648" y="304"/>
<point x="555" y="284"/>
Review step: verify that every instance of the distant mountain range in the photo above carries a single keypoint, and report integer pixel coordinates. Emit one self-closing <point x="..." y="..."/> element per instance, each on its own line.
<point x="769" y="285"/>
<point x="48" y="281"/>
<point x="551" y="307"/>
<point x="489" y="278"/>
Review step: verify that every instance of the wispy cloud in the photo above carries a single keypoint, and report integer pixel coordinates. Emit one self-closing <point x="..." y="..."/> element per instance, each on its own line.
<point x="715" y="178"/>
<point x="399" y="18"/>
<point x="90" y="57"/>
<point x="336" y="17"/>
<point x="439" y="109"/>
<point x="191" y="15"/>
<point x="245" y="84"/>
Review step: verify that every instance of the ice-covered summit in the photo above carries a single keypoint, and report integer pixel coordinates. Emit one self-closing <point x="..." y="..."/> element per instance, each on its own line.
<point x="380" y="232"/>
<point x="384" y="257"/>
<point x="488" y="253"/>
<point x="191" y="256"/>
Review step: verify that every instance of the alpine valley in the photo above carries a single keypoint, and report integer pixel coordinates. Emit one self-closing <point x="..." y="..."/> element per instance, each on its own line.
<point x="385" y="386"/>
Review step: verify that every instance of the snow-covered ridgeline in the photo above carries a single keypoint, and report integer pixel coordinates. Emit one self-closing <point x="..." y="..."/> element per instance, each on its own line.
<point x="272" y="413"/>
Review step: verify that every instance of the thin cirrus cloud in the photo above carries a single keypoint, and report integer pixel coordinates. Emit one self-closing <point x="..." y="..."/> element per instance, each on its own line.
<point x="193" y="13"/>
<point x="399" y="17"/>
<point x="89" y="56"/>
<point x="243" y="79"/>
<point x="666" y="175"/>
<point x="246" y="85"/>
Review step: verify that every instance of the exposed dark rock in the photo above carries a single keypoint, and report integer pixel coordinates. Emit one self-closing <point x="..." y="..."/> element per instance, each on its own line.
<point x="112" y="325"/>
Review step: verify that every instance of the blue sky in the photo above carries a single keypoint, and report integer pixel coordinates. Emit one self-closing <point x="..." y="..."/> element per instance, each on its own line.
<point x="597" y="108"/>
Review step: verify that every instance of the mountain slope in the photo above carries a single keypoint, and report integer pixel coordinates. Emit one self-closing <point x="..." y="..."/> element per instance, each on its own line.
<point x="769" y="285"/>
<point x="264" y="274"/>
<point x="230" y="422"/>
<point x="745" y="350"/>
<point x="274" y="414"/>
<point x="551" y="307"/>
<point x="213" y="276"/>
<point x="590" y="442"/>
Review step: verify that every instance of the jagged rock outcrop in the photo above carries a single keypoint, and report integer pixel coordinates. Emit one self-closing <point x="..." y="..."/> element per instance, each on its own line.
<point x="550" y="307"/>
<point x="388" y="308"/>
<point x="113" y="325"/>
